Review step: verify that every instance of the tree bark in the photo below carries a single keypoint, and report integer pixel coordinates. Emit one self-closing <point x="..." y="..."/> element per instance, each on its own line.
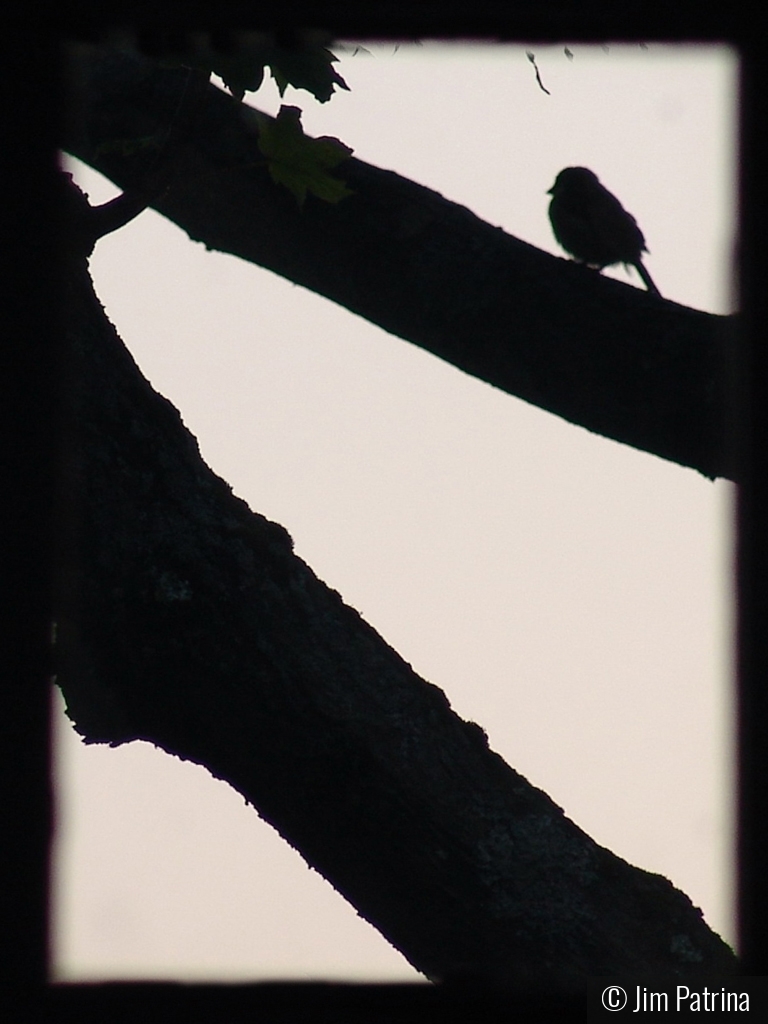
<point x="599" y="353"/>
<point x="186" y="620"/>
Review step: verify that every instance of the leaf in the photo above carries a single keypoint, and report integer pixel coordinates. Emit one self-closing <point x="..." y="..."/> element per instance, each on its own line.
<point x="309" y="67"/>
<point x="305" y="64"/>
<point x="240" y="72"/>
<point x="299" y="162"/>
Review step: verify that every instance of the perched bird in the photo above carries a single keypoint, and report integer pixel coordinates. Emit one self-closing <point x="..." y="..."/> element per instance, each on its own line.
<point x="591" y="224"/>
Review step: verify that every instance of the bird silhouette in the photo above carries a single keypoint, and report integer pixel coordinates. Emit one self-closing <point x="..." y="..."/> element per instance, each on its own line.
<point x="590" y="223"/>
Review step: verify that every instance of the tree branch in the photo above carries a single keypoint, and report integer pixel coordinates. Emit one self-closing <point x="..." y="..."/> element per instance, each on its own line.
<point x="186" y="620"/>
<point x="601" y="354"/>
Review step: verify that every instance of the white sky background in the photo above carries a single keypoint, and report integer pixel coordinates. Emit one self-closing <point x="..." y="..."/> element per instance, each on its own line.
<point x="570" y="594"/>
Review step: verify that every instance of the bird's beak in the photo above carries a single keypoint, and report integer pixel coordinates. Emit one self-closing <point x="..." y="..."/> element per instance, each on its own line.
<point x="549" y="191"/>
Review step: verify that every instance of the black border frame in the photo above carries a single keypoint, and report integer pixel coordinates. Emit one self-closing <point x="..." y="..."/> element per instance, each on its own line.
<point x="29" y="362"/>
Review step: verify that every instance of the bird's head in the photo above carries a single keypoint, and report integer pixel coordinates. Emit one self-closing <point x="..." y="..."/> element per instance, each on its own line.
<point x="573" y="178"/>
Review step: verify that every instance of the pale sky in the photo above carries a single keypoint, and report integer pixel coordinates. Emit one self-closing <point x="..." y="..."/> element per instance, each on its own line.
<point x="570" y="594"/>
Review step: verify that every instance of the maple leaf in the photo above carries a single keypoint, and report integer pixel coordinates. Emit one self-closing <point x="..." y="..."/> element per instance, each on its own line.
<point x="308" y="68"/>
<point x="299" y="162"/>
<point x="308" y="64"/>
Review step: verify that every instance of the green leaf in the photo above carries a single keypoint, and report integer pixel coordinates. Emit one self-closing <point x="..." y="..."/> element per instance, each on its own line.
<point x="299" y="162"/>
<point x="305" y="64"/>
<point x="240" y="72"/>
<point x="309" y="67"/>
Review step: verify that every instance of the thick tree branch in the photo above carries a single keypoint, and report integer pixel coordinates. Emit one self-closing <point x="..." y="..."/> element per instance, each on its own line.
<point x="186" y="620"/>
<point x="620" y="362"/>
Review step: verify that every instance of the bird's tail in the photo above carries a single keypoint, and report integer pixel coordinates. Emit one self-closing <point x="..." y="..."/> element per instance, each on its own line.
<point x="647" y="279"/>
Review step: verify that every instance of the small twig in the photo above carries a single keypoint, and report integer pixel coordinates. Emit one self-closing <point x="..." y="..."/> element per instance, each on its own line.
<point x="532" y="58"/>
